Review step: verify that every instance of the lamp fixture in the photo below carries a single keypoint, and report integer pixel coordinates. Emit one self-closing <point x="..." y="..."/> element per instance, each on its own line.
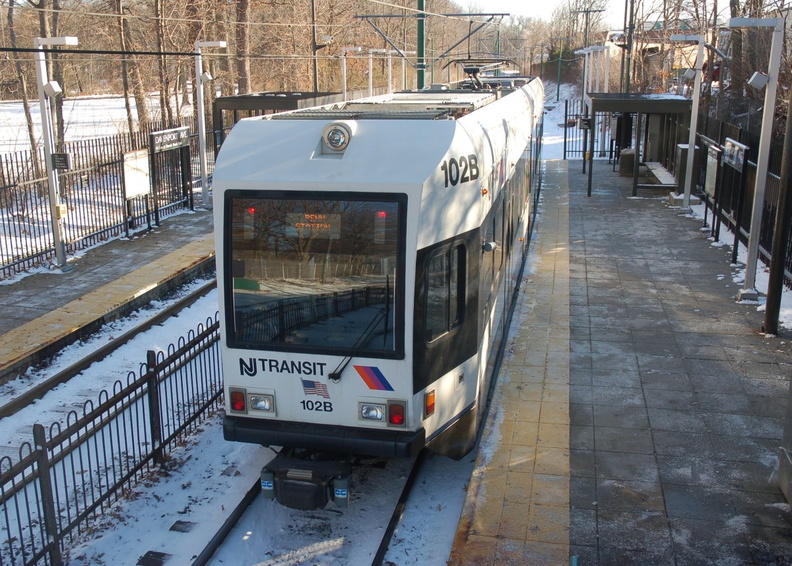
<point x="758" y="80"/>
<point x="52" y="89"/>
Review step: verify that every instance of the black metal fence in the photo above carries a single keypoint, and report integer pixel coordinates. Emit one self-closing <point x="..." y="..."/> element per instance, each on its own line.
<point x="730" y="201"/>
<point x="575" y="146"/>
<point x="74" y="471"/>
<point x="93" y="193"/>
<point x="729" y="194"/>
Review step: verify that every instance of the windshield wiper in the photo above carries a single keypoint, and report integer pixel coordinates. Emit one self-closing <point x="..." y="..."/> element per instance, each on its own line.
<point x="359" y="343"/>
<point x="364" y="336"/>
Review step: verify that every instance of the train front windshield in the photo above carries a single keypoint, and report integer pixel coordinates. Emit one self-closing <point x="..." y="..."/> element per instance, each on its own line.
<point x="315" y="272"/>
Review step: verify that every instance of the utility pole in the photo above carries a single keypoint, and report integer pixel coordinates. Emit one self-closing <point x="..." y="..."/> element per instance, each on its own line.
<point x="588" y="13"/>
<point x="314" y="47"/>
<point x="630" y="31"/>
<point x="421" y="71"/>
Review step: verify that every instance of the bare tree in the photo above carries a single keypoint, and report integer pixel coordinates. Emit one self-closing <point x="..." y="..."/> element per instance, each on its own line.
<point x="22" y="86"/>
<point x="130" y="70"/>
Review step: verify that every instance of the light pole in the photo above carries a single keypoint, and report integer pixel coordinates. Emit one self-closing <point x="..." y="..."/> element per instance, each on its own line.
<point x="344" y="51"/>
<point x="558" y="81"/>
<point x="588" y="13"/>
<point x="404" y="67"/>
<point x="770" y="80"/>
<point x="371" y="68"/>
<point x="202" y="77"/>
<point x="599" y="57"/>
<point x="695" y="95"/>
<point x="390" y="70"/>
<point x="49" y="89"/>
<point x="560" y="57"/>
<point x="388" y="53"/>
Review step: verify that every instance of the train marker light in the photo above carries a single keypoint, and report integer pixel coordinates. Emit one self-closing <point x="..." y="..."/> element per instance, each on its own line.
<point x="237" y="399"/>
<point x="429" y="403"/>
<point x="372" y="411"/>
<point x="262" y="402"/>
<point x="396" y="411"/>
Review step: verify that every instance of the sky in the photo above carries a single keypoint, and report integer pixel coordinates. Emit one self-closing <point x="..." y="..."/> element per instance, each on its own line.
<point x="544" y="9"/>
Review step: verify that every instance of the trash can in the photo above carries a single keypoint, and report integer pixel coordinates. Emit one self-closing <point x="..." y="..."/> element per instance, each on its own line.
<point x="627" y="162"/>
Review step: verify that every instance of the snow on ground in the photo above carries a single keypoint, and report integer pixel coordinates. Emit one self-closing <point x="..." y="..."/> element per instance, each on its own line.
<point x="84" y="118"/>
<point x="213" y="475"/>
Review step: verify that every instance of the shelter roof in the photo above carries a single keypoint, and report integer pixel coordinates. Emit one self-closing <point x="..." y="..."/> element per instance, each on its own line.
<point x="662" y="103"/>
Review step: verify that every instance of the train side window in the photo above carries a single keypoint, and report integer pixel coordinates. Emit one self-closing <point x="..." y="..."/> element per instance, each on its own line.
<point x="445" y="292"/>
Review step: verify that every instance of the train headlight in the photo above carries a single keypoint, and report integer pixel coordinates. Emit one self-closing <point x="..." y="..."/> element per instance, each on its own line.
<point x="336" y="137"/>
<point x="372" y="412"/>
<point x="262" y="402"/>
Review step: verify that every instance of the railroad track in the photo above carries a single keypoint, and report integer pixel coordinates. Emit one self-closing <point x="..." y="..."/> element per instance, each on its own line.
<point x="388" y="525"/>
<point x="312" y="529"/>
<point x="41" y="389"/>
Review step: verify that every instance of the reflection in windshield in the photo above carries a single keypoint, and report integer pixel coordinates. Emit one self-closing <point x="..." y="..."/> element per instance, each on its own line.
<point x="314" y="272"/>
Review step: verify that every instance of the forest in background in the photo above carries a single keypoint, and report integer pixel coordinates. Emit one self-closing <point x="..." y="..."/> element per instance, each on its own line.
<point x="143" y="47"/>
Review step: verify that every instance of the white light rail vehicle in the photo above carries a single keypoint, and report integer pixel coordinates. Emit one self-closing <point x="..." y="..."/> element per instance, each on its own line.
<point x="367" y="256"/>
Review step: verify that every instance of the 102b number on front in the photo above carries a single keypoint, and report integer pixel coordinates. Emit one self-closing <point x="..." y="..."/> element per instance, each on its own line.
<point x="320" y="406"/>
<point x="461" y="170"/>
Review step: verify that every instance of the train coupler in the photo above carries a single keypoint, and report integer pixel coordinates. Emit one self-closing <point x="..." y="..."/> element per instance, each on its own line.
<point x="306" y="482"/>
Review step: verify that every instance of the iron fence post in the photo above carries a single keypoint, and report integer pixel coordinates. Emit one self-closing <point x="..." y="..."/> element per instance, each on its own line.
<point x="153" y="396"/>
<point x="47" y="496"/>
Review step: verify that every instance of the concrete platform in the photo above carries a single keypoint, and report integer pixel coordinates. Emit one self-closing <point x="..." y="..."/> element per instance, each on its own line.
<point x="43" y="312"/>
<point x="639" y="414"/>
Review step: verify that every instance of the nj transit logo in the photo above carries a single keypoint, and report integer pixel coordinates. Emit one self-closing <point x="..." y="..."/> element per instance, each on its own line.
<point x="373" y="378"/>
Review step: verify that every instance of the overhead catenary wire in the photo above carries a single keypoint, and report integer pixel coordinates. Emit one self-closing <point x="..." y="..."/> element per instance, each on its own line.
<point x="170" y="19"/>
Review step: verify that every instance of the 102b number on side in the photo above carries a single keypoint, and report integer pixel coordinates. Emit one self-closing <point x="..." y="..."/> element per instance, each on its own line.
<point x="460" y="170"/>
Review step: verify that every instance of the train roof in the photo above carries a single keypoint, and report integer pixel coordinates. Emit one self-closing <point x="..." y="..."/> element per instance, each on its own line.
<point x="438" y="103"/>
<point x="393" y="141"/>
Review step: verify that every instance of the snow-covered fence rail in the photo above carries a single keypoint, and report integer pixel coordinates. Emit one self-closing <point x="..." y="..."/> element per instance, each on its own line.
<point x="92" y="191"/>
<point x="74" y="470"/>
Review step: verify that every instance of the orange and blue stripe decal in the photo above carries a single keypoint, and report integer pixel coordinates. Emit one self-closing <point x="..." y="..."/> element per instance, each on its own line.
<point x="373" y="378"/>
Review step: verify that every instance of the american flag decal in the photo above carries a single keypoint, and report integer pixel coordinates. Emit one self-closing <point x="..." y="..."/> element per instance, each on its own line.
<point x="315" y="388"/>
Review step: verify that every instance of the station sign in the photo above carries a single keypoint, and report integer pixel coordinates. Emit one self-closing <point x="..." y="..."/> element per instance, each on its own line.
<point x="167" y="140"/>
<point x="61" y="161"/>
<point x="734" y="154"/>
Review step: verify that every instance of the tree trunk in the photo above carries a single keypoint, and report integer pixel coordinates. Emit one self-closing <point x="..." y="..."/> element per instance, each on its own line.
<point x="124" y="66"/>
<point x="23" y="89"/>
<point x="166" y="115"/>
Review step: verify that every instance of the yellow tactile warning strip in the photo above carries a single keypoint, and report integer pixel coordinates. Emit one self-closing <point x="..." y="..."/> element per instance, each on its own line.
<point x="517" y="505"/>
<point x="17" y="344"/>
